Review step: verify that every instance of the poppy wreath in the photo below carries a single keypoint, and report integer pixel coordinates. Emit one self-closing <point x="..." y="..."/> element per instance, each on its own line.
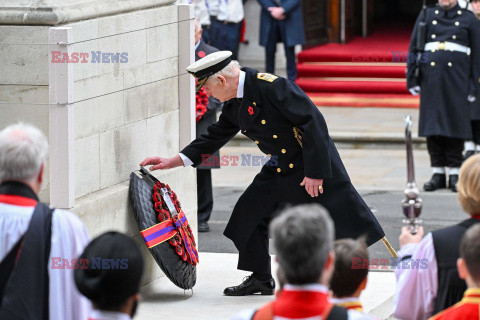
<point x="183" y="241"/>
<point x="201" y="101"/>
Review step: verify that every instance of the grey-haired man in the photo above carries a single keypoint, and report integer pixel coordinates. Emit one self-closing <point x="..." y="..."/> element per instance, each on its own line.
<point x="302" y="162"/>
<point x="39" y="246"/>
<point x="303" y="238"/>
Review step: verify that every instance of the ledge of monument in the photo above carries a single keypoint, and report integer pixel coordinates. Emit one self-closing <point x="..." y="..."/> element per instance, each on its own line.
<point x="56" y="12"/>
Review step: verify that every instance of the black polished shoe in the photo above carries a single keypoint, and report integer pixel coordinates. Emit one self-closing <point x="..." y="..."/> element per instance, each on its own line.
<point x="203" y="227"/>
<point x="250" y="286"/>
<point x="438" y="181"/>
<point x="452" y="182"/>
<point x="468" y="154"/>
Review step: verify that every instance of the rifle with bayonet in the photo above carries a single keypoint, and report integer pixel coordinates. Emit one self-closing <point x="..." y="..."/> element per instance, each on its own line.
<point x="421" y="40"/>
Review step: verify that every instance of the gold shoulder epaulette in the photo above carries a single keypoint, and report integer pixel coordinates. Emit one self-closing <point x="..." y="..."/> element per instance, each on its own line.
<point x="267" y="77"/>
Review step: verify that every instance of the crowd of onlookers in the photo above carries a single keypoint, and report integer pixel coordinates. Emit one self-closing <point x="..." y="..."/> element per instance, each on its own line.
<point x="47" y="270"/>
<point x="223" y="25"/>
<point x="438" y="276"/>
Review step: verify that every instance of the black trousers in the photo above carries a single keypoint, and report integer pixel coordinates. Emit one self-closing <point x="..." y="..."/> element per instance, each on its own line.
<point x="278" y="35"/>
<point x="476" y="131"/>
<point x="255" y="256"/>
<point x="204" y="194"/>
<point x="445" y="151"/>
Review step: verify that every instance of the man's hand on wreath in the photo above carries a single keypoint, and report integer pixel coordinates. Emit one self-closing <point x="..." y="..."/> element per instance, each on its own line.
<point x="162" y="163"/>
<point x="313" y="186"/>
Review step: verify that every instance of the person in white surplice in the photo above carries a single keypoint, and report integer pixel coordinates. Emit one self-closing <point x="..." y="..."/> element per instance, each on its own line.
<point x="38" y="245"/>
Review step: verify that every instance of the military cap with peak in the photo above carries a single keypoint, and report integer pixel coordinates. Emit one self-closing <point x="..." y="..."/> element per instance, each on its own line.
<point x="209" y="65"/>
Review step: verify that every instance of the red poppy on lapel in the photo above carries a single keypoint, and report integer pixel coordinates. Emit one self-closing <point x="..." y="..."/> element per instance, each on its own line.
<point x="250" y="110"/>
<point x="201" y="54"/>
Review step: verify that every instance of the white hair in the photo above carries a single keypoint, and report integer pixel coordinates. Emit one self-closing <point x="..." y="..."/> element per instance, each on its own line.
<point x="229" y="71"/>
<point x="23" y="149"/>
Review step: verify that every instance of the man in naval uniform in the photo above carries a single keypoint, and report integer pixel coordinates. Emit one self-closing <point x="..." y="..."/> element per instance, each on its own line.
<point x="204" y="173"/>
<point x="303" y="167"/>
<point x="447" y="84"/>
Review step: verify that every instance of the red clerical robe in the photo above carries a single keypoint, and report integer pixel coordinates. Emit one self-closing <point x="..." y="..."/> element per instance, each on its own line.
<point x="467" y="308"/>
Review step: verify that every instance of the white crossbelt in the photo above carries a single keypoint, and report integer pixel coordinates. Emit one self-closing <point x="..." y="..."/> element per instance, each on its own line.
<point x="447" y="46"/>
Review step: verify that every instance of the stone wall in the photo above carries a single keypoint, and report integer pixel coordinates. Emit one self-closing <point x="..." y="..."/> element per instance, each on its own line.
<point x="120" y="112"/>
<point x="24" y="80"/>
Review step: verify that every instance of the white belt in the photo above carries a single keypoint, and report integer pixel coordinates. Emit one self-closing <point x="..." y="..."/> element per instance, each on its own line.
<point x="447" y="46"/>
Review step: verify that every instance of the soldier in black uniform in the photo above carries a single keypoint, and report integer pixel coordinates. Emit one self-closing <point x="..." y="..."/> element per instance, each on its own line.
<point x="204" y="173"/>
<point x="474" y="145"/>
<point x="448" y="83"/>
<point x="304" y="165"/>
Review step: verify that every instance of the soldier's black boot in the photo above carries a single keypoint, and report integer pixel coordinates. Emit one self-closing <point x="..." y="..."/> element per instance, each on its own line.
<point x="438" y="181"/>
<point x="250" y="286"/>
<point x="452" y="182"/>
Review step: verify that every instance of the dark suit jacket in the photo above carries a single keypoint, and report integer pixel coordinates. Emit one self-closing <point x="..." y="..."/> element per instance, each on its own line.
<point x="292" y="24"/>
<point x="284" y="123"/>
<point x="210" y="116"/>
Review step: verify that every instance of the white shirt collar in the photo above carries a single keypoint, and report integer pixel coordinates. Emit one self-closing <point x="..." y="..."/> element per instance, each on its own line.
<point x="198" y="43"/>
<point x="343" y="300"/>
<point x="108" y="315"/>
<point x="316" y="287"/>
<point x="241" y="84"/>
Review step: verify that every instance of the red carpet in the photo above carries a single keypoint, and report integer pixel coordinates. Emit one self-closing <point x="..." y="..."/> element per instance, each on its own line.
<point x="366" y="72"/>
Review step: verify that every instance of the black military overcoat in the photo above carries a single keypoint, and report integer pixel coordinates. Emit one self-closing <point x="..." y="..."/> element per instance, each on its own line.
<point x="279" y="117"/>
<point x="447" y="77"/>
<point x="475" y="114"/>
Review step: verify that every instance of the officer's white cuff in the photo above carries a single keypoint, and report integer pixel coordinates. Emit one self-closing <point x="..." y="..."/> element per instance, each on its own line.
<point x="415" y="90"/>
<point x="186" y="162"/>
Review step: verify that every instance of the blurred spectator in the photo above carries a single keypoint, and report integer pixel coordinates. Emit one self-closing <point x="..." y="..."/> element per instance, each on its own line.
<point x="348" y="281"/>
<point x="474" y="145"/>
<point x="469" y="270"/>
<point x="226" y="25"/>
<point x="476" y="7"/>
<point x="425" y="291"/>
<point x="37" y="244"/>
<point x="206" y="115"/>
<point x="112" y="277"/>
<point x="281" y="21"/>
<point x="303" y="238"/>
<point x="201" y="12"/>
